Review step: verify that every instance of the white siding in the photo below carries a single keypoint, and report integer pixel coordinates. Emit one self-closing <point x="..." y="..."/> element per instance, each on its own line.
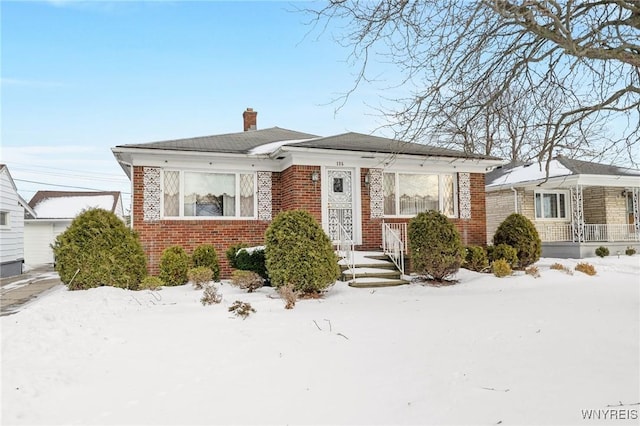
<point x="38" y="237"/>
<point x="11" y="236"/>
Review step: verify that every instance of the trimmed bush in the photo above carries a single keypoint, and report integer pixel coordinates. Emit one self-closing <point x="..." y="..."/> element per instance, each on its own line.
<point x="630" y="251"/>
<point x="252" y="259"/>
<point x="586" y="268"/>
<point x="434" y="242"/>
<point x="174" y="265"/>
<point x="519" y="232"/>
<point x="205" y="255"/>
<point x="102" y="250"/>
<point x="475" y="259"/>
<point x="602" y="251"/>
<point x="199" y="276"/>
<point x="247" y="280"/>
<point x="232" y="252"/>
<point x="501" y="268"/>
<point x="299" y="253"/>
<point x="150" y="283"/>
<point x="503" y="251"/>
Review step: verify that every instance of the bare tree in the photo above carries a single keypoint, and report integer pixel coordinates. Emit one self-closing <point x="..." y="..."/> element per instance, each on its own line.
<point x="538" y="74"/>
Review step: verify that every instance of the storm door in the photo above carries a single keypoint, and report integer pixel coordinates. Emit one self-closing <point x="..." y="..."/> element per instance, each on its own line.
<point x="340" y="203"/>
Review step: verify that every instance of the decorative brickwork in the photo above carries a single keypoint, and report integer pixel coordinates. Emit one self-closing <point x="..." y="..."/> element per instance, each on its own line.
<point x="265" y="200"/>
<point x="151" y="194"/>
<point x="376" y="193"/>
<point x="464" y="198"/>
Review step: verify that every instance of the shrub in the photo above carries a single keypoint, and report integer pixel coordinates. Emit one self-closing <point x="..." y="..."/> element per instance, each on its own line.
<point x="252" y="259"/>
<point x="533" y="271"/>
<point x="232" y="252"/>
<point x="102" y="250"/>
<point x="247" y="280"/>
<point x="199" y="276"/>
<point x="210" y="295"/>
<point x="519" y="232"/>
<point x="150" y="283"/>
<point x="501" y="268"/>
<point x="561" y="267"/>
<point x="205" y="255"/>
<point x="503" y="251"/>
<point x="586" y="268"/>
<point x="434" y="242"/>
<point x="241" y="309"/>
<point x="475" y="259"/>
<point x="289" y="295"/>
<point x="602" y="251"/>
<point x="299" y="253"/>
<point x="630" y="251"/>
<point x="174" y="265"/>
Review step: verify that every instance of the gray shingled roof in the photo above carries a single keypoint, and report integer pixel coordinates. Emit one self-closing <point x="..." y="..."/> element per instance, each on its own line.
<point x="230" y="143"/>
<point x="374" y="144"/>
<point x="579" y="167"/>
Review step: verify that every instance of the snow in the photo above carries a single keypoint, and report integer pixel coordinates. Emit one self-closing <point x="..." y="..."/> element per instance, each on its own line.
<point x="530" y="173"/>
<point x="69" y="207"/>
<point x="516" y="350"/>
<point x="271" y="147"/>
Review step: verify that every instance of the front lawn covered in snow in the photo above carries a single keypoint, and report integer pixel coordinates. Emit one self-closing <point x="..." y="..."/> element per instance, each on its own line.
<point x="484" y="351"/>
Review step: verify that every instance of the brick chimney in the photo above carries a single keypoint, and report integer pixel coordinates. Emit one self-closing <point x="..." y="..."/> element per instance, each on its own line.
<point x="250" y="118"/>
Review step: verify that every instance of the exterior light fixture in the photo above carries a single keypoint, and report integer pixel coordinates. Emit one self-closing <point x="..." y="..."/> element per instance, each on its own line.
<point x="315" y="176"/>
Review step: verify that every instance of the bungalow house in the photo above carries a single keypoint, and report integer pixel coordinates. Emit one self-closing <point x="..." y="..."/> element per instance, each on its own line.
<point x="54" y="212"/>
<point x="12" y="210"/>
<point x="579" y="207"/>
<point x="225" y="189"/>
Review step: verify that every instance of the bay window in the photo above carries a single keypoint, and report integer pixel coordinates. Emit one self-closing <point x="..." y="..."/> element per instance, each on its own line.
<point x="203" y="194"/>
<point x="551" y="205"/>
<point x="407" y="194"/>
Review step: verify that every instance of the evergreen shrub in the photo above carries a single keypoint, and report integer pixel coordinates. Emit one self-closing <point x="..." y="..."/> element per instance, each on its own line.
<point x="102" y="250"/>
<point x="630" y="251"/>
<point x="247" y="280"/>
<point x="519" y="232"/>
<point x="199" y="276"/>
<point x="174" y="266"/>
<point x="475" y="259"/>
<point x="231" y="253"/>
<point x="434" y="242"/>
<point x="503" y="251"/>
<point x="501" y="268"/>
<point x="299" y="253"/>
<point x="602" y="251"/>
<point x="252" y="259"/>
<point x="150" y="283"/>
<point x="205" y="255"/>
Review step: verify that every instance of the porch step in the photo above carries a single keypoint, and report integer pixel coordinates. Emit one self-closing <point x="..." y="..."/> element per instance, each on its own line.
<point x="376" y="282"/>
<point x="368" y="272"/>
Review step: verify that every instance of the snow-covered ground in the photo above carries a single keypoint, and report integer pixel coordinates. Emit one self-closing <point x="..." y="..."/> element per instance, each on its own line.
<point x="517" y="350"/>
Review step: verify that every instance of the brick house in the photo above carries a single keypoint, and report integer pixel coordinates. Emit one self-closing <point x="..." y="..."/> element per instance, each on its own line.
<point x="225" y="189"/>
<point x="578" y="208"/>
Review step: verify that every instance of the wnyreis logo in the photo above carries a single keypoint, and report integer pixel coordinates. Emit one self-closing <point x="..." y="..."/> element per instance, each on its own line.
<point x="610" y="414"/>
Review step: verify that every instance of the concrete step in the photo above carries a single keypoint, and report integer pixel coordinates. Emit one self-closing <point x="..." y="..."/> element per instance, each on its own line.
<point x="371" y="272"/>
<point x="376" y="282"/>
<point x="378" y="265"/>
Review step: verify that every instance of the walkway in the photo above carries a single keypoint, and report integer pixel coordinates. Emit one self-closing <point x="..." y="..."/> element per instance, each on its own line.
<point x="18" y="290"/>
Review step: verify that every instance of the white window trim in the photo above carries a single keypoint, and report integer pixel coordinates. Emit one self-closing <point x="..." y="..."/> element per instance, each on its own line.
<point x="454" y="215"/>
<point x="567" y="206"/>
<point x="237" y="174"/>
<point x="8" y="216"/>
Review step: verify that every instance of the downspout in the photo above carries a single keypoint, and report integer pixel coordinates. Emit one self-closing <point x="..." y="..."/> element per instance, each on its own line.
<point x="515" y="199"/>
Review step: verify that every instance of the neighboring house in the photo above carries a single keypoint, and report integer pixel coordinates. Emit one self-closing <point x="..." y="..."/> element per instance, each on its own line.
<point x="12" y="210"/>
<point x="54" y="211"/>
<point x="225" y="189"/>
<point x="581" y="206"/>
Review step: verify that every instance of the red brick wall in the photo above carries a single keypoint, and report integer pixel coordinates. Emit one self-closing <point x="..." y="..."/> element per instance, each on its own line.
<point x="298" y="191"/>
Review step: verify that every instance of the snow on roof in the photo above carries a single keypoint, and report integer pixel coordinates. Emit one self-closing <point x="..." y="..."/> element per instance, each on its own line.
<point x="271" y="147"/>
<point x="70" y="206"/>
<point x="531" y="172"/>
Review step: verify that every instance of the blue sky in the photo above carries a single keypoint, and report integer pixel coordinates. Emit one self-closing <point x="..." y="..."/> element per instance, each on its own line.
<point x="81" y="77"/>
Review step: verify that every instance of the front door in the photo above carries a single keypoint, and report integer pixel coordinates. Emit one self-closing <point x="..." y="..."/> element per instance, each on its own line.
<point x="340" y="203"/>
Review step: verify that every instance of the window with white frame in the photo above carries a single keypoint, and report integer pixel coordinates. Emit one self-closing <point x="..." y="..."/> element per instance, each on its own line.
<point x="5" y="219"/>
<point x="407" y="194"/>
<point x="203" y="194"/>
<point x="551" y="205"/>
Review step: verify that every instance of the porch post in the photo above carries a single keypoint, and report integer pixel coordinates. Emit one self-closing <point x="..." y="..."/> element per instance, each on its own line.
<point x="636" y="211"/>
<point x="577" y="214"/>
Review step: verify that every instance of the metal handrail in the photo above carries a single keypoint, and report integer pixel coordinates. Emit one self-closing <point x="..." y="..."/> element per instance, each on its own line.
<point x="393" y="246"/>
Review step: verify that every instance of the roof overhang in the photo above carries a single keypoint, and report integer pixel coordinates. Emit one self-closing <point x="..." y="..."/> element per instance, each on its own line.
<point x="563" y="182"/>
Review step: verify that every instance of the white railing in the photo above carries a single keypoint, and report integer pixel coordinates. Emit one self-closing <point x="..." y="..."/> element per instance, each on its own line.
<point x="392" y="243"/>
<point x="345" y="248"/>
<point x="555" y="232"/>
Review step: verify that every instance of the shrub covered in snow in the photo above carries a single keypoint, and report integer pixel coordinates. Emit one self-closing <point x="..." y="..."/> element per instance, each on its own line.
<point x="602" y="251"/>
<point x="247" y="280"/>
<point x="98" y="249"/>
<point x="299" y="253"/>
<point x="210" y="295"/>
<point x="150" y="283"/>
<point x="501" y="268"/>
<point x="520" y="233"/>
<point x="586" y="268"/>
<point x="231" y="253"/>
<point x="199" y="276"/>
<point x="241" y="309"/>
<point x="252" y="259"/>
<point x="434" y="242"/>
<point x="475" y="259"/>
<point x="503" y="251"/>
<point x="174" y="265"/>
<point x="205" y="255"/>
